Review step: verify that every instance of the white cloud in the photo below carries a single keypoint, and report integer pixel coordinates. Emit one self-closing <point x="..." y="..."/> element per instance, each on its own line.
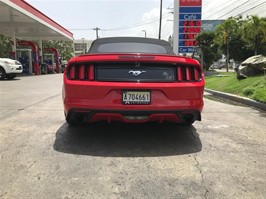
<point x="149" y="23"/>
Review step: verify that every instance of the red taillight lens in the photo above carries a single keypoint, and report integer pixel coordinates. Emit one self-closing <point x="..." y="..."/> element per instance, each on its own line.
<point x="81" y="72"/>
<point x="188" y="73"/>
<point x="91" y="72"/>
<point x="72" y="72"/>
<point x="179" y="73"/>
<point x="196" y="74"/>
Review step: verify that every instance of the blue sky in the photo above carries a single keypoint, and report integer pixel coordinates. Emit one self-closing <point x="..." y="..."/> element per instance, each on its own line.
<point x="130" y="17"/>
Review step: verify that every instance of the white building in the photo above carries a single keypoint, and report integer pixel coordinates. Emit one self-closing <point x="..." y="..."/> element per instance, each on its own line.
<point x="81" y="46"/>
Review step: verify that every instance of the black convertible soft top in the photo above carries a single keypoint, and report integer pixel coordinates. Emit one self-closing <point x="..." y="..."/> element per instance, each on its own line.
<point x="130" y="45"/>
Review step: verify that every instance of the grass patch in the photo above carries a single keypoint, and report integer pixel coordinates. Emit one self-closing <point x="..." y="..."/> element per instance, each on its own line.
<point x="252" y="87"/>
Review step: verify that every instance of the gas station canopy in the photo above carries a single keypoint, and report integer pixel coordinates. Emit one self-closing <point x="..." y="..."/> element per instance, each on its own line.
<point x="18" y="19"/>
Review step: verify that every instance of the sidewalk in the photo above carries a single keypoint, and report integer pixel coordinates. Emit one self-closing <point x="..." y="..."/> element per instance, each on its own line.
<point x="236" y="98"/>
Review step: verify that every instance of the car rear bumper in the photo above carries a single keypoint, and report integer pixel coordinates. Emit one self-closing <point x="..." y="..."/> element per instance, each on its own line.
<point x="161" y="109"/>
<point x="96" y="101"/>
<point x="140" y="116"/>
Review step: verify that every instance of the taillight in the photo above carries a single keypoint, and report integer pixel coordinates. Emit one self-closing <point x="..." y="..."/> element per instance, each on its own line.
<point x="179" y="73"/>
<point x="91" y="73"/>
<point x="196" y="74"/>
<point x="81" y="72"/>
<point x="72" y="72"/>
<point x="188" y="73"/>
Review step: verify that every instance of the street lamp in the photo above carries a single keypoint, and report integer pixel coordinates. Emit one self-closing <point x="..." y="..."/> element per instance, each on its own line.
<point x="144" y="33"/>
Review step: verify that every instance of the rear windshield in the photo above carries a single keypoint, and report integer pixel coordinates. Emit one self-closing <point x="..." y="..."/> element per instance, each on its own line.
<point x="130" y="47"/>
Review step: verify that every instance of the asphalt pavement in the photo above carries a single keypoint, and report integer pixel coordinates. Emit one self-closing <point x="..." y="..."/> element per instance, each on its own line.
<point x="41" y="156"/>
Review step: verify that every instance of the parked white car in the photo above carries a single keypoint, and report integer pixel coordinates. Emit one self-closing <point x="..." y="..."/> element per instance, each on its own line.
<point x="9" y="68"/>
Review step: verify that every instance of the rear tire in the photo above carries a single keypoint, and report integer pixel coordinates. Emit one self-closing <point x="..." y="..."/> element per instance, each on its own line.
<point x="71" y="122"/>
<point x="2" y="73"/>
<point x="188" y="123"/>
<point x="188" y="120"/>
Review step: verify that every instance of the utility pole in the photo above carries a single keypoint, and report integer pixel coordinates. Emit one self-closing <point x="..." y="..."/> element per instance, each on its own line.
<point x="227" y="54"/>
<point x="160" y="23"/>
<point x="144" y="33"/>
<point x="97" y="34"/>
<point x="226" y="41"/>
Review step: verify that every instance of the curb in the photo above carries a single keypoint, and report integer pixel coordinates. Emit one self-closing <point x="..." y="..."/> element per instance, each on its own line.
<point x="236" y="98"/>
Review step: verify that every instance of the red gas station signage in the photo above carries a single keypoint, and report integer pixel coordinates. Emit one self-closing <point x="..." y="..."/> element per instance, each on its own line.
<point x="189" y="24"/>
<point x="190" y="2"/>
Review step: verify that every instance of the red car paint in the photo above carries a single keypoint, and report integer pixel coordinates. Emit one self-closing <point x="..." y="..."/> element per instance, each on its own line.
<point x="89" y="98"/>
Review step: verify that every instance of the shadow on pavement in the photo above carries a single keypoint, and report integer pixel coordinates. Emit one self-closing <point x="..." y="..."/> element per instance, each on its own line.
<point x="15" y="79"/>
<point x="127" y="140"/>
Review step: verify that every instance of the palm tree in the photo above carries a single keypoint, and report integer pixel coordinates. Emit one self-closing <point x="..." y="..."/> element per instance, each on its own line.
<point x="254" y="32"/>
<point x="224" y="32"/>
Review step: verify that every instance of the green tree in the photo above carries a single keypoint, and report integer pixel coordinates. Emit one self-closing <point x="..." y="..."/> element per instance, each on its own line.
<point x="65" y="48"/>
<point x="209" y="48"/>
<point x="6" y="47"/>
<point x="238" y="49"/>
<point x="254" y="32"/>
<point x="230" y="37"/>
<point x="225" y="31"/>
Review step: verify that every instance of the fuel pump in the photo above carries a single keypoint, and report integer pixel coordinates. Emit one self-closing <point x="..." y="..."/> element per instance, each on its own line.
<point x="25" y="58"/>
<point x="56" y="57"/>
<point x="35" y="54"/>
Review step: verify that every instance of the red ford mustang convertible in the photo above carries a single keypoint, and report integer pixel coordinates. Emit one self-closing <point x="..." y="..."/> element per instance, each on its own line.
<point x="132" y="80"/>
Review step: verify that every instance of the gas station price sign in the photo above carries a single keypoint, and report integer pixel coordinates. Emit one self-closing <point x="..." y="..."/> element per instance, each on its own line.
<point x="189" y="24"/>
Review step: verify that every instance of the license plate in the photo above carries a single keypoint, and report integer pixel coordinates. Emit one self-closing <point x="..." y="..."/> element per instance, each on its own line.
<point x="136" y="97"/>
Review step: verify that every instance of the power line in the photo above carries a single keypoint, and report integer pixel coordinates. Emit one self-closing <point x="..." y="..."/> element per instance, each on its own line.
<point x="155" y="19"/>
<point x="224" y="3"/>
<point x="80" y="28"/>
<point x="237" y="7"/>
<point x="234" y="9"/>
<point x="152" y="20"/>
<point x="252" y="8"/>
<point x="242" y="12"/>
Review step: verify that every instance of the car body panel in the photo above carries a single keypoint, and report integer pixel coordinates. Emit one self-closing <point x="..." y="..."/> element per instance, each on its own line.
<point x="94" y="99"/>
<point x="11" y="66"/>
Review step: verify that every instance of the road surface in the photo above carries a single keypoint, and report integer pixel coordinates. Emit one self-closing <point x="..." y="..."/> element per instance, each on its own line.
<point x="223" y="156"/>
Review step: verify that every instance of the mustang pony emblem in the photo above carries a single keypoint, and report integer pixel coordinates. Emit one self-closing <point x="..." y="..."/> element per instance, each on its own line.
<point x="136" y="72"/>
